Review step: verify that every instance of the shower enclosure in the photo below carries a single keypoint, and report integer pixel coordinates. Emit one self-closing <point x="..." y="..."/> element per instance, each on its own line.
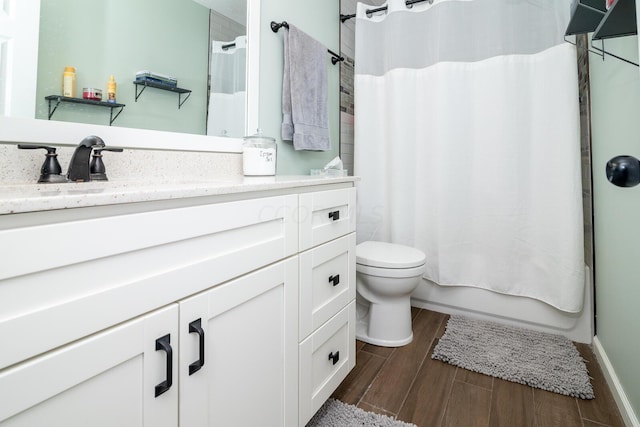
<point x="467" y="140"/>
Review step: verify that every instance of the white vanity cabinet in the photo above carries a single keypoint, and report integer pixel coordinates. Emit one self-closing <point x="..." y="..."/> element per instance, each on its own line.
<point x="181" y="313"/>
<point x="147" y="371"/>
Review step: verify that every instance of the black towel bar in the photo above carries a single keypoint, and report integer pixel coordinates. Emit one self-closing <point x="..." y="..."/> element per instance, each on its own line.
<point x="335" y="58"/>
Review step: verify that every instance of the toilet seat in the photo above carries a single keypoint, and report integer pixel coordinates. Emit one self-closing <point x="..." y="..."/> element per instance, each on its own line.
<point x="382" y="255"/>
<point x="392" y="273"/>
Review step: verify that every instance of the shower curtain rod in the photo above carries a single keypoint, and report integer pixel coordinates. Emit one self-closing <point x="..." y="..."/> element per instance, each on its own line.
<point x="335" y="58"/>
<point x="409" y="3"/>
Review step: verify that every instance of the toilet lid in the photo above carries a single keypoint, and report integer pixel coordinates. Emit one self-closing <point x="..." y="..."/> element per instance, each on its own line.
<point x="388" y="255"/>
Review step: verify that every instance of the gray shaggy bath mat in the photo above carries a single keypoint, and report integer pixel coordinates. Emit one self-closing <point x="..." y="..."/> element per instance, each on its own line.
<point x="338" y="414"/>
<point x="538" y="359"/>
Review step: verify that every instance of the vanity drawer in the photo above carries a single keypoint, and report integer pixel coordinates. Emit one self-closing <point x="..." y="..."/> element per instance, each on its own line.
<point x="326" y="357"/>
<point x="143" y="261"/>
<point x="327" y="282"/>
<point x="326" y="215"/>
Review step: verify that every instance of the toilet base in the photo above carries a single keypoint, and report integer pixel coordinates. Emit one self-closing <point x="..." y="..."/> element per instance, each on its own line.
<point x="361" y="335"/>
<point x="382" y="331"/>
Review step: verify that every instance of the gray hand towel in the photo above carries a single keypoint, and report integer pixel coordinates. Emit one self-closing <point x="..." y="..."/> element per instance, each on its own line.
<point x="305" y="115"/>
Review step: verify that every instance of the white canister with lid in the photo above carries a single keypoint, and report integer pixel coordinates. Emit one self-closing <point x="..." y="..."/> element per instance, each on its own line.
<point x="259" y="155"/>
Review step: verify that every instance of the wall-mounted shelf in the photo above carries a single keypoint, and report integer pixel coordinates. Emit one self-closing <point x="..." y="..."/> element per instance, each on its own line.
<point x="620" y="20"/>
<point x="56" y="100"/>
<point x="179" y="91"/>
<point x="586" y="15"/>
<point x="591" y="16"/>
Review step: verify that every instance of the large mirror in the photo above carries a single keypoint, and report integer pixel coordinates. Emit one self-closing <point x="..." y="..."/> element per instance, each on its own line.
<point x="199" y="43"/>
<point x="194" y="41"/>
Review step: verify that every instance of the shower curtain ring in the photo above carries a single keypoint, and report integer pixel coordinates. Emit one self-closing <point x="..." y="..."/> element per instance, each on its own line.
<point x="410" y="3"/>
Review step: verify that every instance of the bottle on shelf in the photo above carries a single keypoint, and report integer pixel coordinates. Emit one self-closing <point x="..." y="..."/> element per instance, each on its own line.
<point x="69" y="82"/>
<point x="111" y="90"/>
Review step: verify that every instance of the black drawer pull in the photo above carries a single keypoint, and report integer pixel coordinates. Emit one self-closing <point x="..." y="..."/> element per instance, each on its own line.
<point x="196" y="327"/>
<point x="335" y="215"/>
<point x="334" y="357"/>
<point x="335" y="280"/>
<point x="164" y="344"/>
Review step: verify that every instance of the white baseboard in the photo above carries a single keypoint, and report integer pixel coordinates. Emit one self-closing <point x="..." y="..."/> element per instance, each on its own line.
<point x="627" y="412"/>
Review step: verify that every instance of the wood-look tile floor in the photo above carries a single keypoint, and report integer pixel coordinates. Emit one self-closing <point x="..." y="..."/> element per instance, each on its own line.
<point x="407" y="384"/>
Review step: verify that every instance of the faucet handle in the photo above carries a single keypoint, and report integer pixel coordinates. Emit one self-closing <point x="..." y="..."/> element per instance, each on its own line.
<point x="96" y="168"/>
<point x="51" y="170"/>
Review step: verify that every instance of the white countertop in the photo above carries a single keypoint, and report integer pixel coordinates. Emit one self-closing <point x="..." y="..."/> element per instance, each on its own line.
<point x="43" y="197"/>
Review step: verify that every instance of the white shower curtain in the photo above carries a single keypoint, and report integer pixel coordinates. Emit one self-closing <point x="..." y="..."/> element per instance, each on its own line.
<point x="227" y="99"/>
<point x="467" y="143"/>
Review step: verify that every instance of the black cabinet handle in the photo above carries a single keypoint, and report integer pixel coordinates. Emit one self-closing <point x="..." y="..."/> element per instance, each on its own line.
<point x="335" y="215"/>
<point x="334" y="357"/>
<point x="164" y="344"/>
<point x="335" y="280"/>
<point x="196" y="327"/>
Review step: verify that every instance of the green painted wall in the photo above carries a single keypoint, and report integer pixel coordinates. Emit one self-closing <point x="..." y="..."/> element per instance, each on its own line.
<point x="121" y="37"/>
<point x="320" y="19"/>
<point x="615" y="107"/>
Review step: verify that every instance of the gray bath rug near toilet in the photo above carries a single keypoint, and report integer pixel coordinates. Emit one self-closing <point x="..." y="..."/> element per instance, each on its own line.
<point x="546" y="361"/>
<point x="338" y="414"/>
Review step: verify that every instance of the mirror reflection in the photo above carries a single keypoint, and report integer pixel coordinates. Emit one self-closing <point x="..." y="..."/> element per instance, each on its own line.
<point x="199" y="44"/>
<point x="227" y="68"/>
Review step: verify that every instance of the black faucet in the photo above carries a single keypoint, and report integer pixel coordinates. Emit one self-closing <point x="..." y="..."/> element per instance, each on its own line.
<point x="79" y="165"/>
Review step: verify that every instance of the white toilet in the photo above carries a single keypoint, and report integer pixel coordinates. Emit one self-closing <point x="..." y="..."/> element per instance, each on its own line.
<point x="386" y="275"/>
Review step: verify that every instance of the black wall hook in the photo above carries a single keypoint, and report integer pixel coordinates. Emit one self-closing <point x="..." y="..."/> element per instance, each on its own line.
<point x="623" y="171"/>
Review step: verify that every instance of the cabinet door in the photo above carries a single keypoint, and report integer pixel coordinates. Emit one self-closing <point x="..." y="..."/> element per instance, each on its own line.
<point x="238" y="351"/>
<point x="108" y="379"/>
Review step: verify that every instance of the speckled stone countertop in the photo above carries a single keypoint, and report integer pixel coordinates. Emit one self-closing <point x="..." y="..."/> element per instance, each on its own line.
<point x="22" y="198"/>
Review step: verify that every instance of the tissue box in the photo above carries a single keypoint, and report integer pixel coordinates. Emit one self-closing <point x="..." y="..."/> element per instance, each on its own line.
<point x="329" y="172"/>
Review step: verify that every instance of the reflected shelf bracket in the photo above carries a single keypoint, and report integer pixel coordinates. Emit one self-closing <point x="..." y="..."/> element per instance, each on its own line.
<point x="144" y="84"/>
<point x="57" y="100"/>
